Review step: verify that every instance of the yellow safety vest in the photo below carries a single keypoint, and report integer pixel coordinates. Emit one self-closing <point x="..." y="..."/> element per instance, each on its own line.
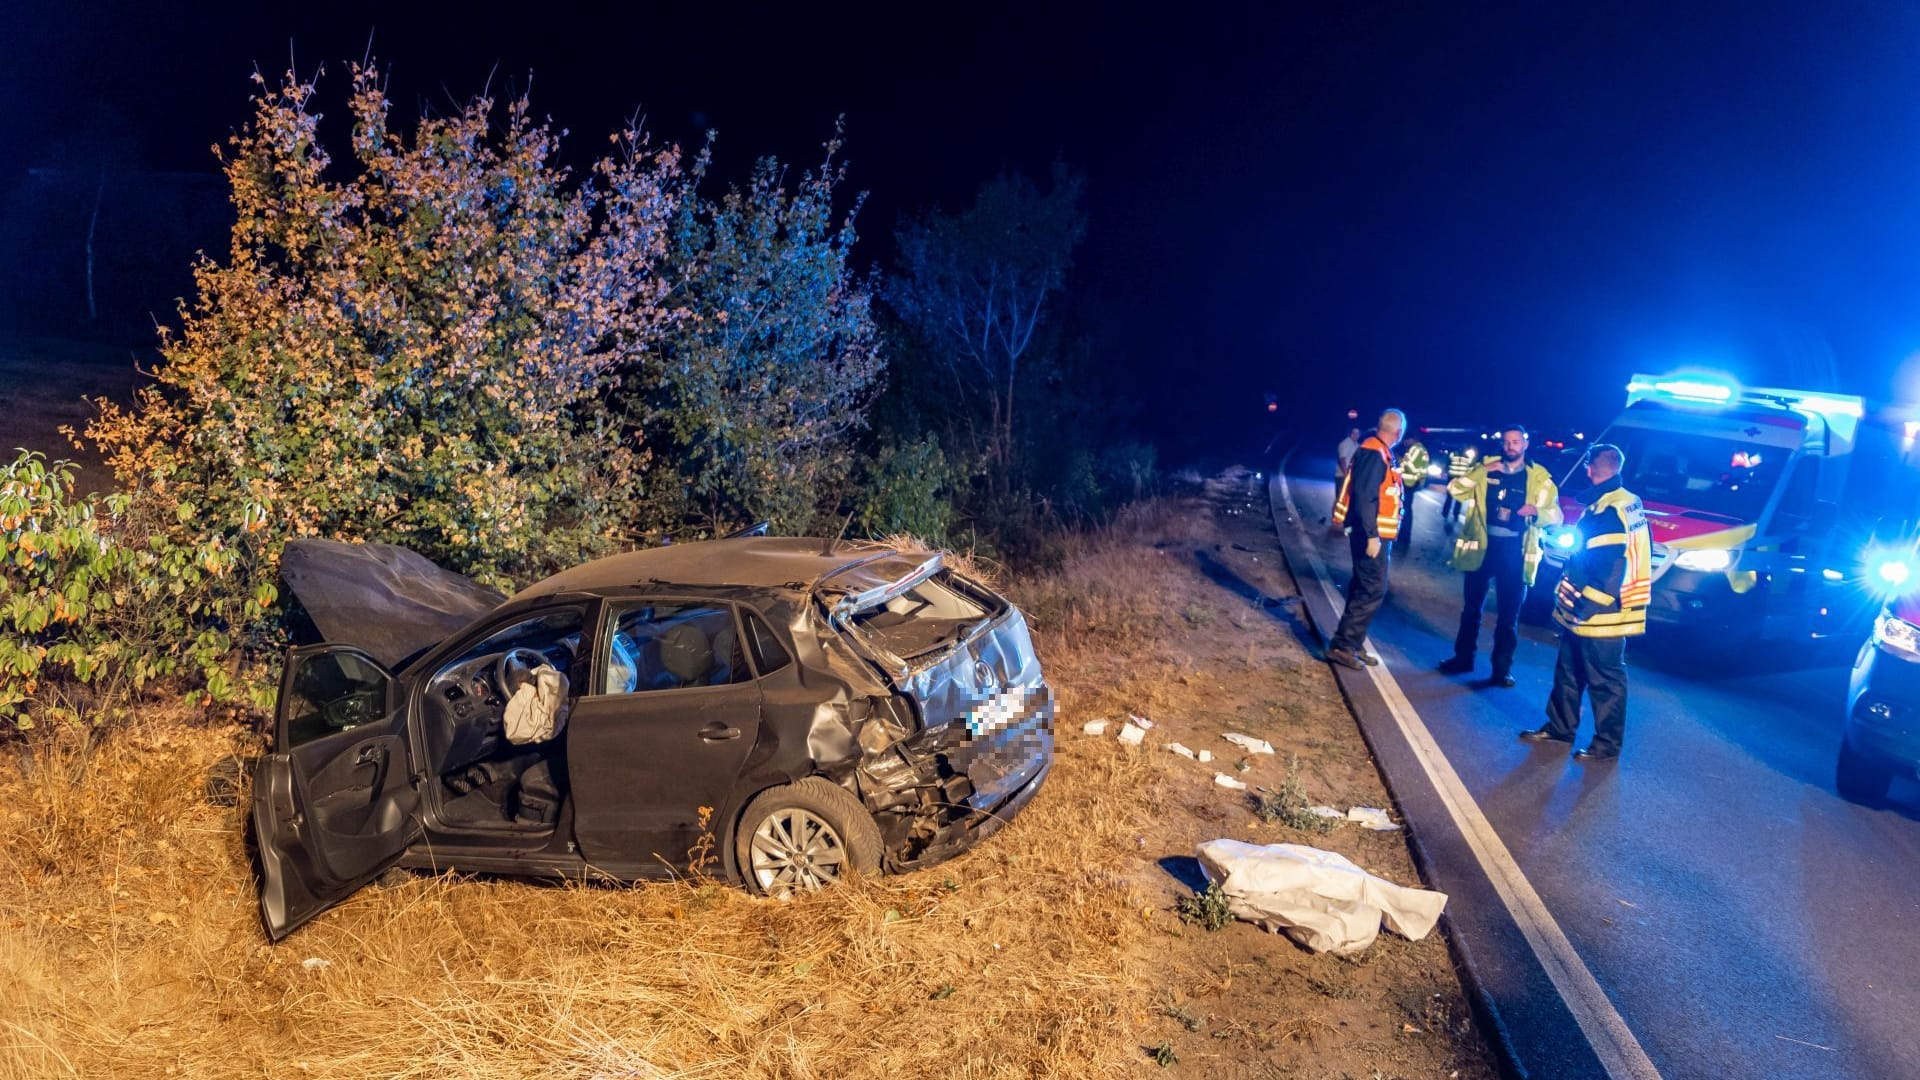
<point x="1624" y="615"/>
<point x="1470" y="491"/>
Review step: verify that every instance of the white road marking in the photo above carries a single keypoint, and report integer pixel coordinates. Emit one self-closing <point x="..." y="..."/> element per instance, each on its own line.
<point x="1619" y="1052"/>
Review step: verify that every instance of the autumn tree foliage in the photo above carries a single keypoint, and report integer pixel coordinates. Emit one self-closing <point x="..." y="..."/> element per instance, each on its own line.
<point x="753" y="399"/>
<point x="415" y="344"/>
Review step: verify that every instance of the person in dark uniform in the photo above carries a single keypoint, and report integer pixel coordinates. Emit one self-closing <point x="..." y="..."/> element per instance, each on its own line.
<point x="1369" y="505"/>
<point x="1601" y="602"/>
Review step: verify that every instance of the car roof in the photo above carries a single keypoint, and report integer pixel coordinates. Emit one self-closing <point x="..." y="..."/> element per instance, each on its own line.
<point x="754" y="561"/>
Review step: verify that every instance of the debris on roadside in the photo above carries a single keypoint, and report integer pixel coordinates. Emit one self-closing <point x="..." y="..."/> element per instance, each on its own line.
<point x="1132" y="735"/>
<point x="1094" y="727"/>
<point x="1248" y="743"/>
<point x="1181" y="750"/>
<point x="1320" y="899"/>
<point x="1226" y="781"/>
<point x="1371" y="818"/>
<point x="1327" y="812"/>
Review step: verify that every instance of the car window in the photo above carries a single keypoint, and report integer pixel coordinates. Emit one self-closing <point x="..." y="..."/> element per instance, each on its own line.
<point x="671" y="645"/>
<point x="768" y="655"/>
<point x="922" y="619"/>
<point x="333" y="691"/>
<point x="555" y="635"/>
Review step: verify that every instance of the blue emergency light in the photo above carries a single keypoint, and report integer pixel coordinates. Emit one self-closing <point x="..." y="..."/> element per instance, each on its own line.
<point x="1892" y="572"/>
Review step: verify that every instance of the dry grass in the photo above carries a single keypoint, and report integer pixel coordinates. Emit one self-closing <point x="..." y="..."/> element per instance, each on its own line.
<point x="129" y="944"/>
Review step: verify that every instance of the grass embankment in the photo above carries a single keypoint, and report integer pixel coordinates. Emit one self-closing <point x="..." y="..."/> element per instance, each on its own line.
<point x="129" y="944"/>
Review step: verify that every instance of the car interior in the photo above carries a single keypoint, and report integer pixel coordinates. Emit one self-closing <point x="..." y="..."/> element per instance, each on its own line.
<point x="486" y="780"/>
<point x="673" y="646"/>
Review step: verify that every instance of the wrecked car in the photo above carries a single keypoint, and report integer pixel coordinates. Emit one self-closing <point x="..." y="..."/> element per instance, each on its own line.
<point x="773" y="711"/>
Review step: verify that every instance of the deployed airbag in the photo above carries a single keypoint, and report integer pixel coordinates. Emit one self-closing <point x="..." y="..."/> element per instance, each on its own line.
<point x="538" y="710"/>
<point x="1318" y="898"/>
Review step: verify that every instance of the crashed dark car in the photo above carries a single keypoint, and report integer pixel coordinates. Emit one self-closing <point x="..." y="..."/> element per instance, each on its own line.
<point x="814" y="708"/>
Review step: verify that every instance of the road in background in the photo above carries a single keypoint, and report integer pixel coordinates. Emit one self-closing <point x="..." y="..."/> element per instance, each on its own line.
<point x="1742" y="917"/>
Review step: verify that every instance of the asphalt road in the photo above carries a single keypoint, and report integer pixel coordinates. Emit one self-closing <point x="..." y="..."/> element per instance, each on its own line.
<point x="1743" y="919"/>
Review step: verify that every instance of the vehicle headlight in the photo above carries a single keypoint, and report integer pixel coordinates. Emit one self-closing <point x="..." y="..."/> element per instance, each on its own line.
<point x="1897" y="636"/>
<point x="1705" y="560"/>
<point x="1892" y="573"/>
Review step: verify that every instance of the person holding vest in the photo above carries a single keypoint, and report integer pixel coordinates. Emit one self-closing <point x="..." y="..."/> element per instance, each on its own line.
<point x="1507" y="502"/>
<point x="1601" y="602"/>
<point x="1413" y="476"/>
<point x="1369" y="506"/>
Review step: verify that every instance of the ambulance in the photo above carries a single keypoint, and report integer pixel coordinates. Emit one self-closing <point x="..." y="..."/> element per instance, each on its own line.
<point x="1775" y="514"/>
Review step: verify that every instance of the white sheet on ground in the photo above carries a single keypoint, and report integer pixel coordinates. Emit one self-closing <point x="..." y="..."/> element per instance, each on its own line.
<point x="538" y="710"/>
<point x="1318" y="898"/>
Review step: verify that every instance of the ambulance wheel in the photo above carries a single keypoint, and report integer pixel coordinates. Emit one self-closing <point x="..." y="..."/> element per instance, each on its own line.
<point x="1861" y="778"/>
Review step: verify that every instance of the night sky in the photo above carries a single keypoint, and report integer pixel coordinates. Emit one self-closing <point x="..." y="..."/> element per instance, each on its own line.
<point x="1477" y="215"/>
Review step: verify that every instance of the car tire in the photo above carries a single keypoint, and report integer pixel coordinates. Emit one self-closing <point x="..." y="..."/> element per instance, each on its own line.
<point x="806" y="835"/>
<point x="1861" y="778"/>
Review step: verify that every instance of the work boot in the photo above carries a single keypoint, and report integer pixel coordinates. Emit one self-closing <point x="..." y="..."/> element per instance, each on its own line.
<point x="1456" y="665"/>
<point x="1368" y="658"/>
<point x="1587" y="756"/>
<point x="1346" y="659"/>
<point x="1501" y="681"/>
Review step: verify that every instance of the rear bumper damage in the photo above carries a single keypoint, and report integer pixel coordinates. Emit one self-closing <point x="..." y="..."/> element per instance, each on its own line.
<point x="935" y="797"/>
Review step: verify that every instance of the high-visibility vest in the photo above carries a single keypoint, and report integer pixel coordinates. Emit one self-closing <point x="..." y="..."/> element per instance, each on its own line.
<point x="1470" y="491"/>
<point x="1413" y="466"/>
<point x="1387" y="525"/>
<point x="1459" y="462"/>
<point x="1624" y="615"/>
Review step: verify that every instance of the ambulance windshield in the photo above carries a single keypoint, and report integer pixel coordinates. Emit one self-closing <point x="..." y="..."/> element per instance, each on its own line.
<point x="1710" y="474"/>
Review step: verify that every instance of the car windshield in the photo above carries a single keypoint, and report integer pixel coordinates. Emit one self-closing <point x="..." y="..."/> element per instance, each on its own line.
<point x="1729" y="477"/>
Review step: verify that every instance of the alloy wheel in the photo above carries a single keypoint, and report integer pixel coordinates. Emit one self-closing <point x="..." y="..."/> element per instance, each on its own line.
<point x="795" y="849"/>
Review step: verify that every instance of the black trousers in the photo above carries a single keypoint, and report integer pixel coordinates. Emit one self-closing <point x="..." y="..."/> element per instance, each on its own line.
<point x="1597" y="667"/>
<point x="1405" y="540"/>
<point x="1366" y="591"/>
<point x="1504" y="571"/>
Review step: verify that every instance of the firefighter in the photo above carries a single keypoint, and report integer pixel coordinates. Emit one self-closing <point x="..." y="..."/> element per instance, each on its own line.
<point x="1459" y="461"/>
<point x="1369" y="506"/>
<point x="1507" y="502"/>
<point x="1413" y="476"/>
<point x="1601" y="602"/>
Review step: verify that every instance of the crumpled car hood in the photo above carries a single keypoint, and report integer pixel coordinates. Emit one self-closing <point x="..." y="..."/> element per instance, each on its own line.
<point x="383" y="598"/>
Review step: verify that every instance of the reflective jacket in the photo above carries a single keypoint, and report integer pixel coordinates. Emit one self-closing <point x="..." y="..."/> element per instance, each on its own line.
<point x="1413" y="467"/>
<point x="1375" y="509"/>
<point x="1470" y="491"/>
<point x="1609" y="580"/>
<point x="1460" y="461"/>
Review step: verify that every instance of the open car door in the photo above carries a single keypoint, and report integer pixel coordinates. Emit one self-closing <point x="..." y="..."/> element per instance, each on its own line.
<point x="334" y="805"/>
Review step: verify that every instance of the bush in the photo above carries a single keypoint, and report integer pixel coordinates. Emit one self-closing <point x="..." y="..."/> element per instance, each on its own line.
<point x="416" y="351"/>
<point x="95" y="605"/>
<point x="908" y="489"/>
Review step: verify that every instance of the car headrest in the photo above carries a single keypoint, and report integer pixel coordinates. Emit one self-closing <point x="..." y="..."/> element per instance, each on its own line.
<point x="686" y="653"/>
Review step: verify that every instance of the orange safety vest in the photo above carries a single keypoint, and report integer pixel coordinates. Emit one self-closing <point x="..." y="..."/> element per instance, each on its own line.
<point x="1391" y="487"/>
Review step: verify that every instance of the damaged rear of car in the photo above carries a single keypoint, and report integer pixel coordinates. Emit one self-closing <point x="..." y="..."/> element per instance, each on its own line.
<point x="974" y="740"/>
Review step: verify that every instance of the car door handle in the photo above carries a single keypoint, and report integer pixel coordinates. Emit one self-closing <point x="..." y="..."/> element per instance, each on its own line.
<point x="371" y="755"/>
<point x="716" y="732"/>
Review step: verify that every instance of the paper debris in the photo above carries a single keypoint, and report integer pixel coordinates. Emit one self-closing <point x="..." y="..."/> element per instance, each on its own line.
<point x="1327" y="812"/>
<point x="1206" y="755"/>
<point x="1139" y="721"/>
<point x="1248" y="743"/>
<point x="1367" y="816"/>
<point x="1132" y="735"/>
<point x="316" y="963"/>
<point x="1094" y="727"/>
<point x="1226" y="781"/>
<point x="1178" y="749"/>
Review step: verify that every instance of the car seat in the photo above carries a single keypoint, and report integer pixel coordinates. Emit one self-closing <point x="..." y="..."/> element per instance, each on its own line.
<point x="686" y="655"/>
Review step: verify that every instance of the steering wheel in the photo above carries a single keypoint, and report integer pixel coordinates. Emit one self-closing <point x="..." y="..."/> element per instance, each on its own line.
<point x="515" y="667"/>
